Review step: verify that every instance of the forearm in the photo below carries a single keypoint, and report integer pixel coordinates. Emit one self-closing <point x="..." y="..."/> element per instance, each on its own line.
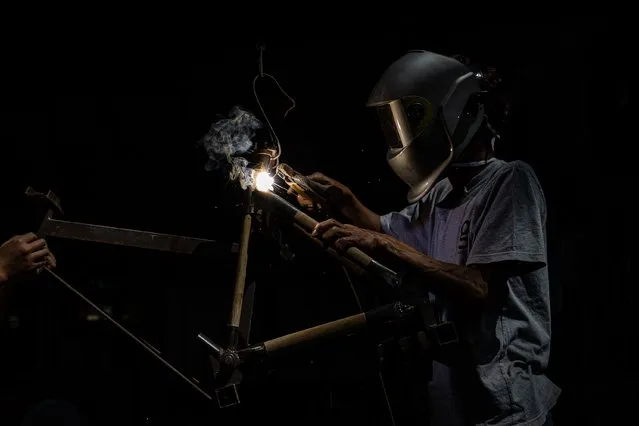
<point x="444" y="279"/>
<point x="362" y="216"/>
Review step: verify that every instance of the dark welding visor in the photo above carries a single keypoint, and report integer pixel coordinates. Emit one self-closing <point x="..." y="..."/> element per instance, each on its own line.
<point x="403" y="120"/>
<point x="420" y="147"/>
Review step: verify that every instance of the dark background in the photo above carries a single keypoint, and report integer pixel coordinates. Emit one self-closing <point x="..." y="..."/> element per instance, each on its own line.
<point x="115" y="139"/>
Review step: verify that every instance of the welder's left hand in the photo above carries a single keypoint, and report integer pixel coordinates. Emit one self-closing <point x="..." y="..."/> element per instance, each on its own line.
<point x="344" y="236"/>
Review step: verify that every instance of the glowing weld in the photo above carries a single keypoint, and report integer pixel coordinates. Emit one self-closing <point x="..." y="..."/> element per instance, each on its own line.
<point x="264" y="181"/>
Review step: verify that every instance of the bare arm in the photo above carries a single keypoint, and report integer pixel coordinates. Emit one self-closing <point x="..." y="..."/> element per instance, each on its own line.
<point x="342" y="198"/>
<point x="444" y="279"/>
<point x="455" y="282"/>
<point x="361" y="215"/>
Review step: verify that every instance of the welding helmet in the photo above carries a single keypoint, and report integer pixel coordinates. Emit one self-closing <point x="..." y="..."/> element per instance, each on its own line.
<point x="425" y="103"/>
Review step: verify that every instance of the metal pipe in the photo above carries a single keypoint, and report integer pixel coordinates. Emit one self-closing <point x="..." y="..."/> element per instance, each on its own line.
<point x="217" y="350"/>
<point x="128" y="237"/>
<point x="308" y="224"/>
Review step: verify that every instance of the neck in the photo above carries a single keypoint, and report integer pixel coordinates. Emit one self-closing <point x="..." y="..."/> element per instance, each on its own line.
<point x="471" y="163"/>
<point x="459" y="178"/>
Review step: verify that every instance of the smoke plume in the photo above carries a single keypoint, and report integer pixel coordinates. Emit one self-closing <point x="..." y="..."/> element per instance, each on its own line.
<point x="229" y="138"/>
<point x="241" y="173"/>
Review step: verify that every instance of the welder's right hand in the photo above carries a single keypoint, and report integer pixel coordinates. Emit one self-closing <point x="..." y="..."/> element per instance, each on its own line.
<point x="341" y="199"/>
<point x="338" y="195"/>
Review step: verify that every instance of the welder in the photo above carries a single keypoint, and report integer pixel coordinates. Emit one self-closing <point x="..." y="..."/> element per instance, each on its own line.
<point x="473" y="237"/>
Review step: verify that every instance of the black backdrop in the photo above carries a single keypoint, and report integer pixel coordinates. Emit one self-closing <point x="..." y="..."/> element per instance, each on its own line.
<point x="115" y="139"/>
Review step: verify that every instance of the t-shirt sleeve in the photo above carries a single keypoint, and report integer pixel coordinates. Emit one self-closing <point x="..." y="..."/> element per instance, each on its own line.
<point x="512" y="225"/>
<point x="401" y="224"/>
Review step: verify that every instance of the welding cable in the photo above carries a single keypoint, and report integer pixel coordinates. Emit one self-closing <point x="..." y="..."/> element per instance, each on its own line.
<point x="382" y="382"/>
<point x="262" y="74"/>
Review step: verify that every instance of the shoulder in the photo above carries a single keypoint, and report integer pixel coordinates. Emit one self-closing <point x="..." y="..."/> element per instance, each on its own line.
<point x="437" y="193"/>
<point x="517" y="180"/>
<point x="515" y="167"/>
<point x="517" y="172"/>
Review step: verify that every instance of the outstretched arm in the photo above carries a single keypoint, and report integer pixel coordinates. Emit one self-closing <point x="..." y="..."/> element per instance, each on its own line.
<point x="342" y="198"/>
<point x="441" y="278"/>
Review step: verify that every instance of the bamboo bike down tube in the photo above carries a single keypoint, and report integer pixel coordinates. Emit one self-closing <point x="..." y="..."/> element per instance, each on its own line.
<point x="351" y="323"/>
<point x="242" y="262"/>
<point x="396" y="311"/>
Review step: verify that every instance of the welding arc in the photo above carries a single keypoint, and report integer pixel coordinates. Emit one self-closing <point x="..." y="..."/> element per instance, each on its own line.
<point x="128" y="333"/>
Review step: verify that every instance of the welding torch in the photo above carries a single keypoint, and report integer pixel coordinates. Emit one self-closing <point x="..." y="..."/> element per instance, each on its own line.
<point x="306" y="222"/>
<point x="300" y="184"/>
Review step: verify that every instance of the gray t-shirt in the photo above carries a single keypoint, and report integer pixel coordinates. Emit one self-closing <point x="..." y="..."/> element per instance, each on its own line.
<point x="499" y="217"/>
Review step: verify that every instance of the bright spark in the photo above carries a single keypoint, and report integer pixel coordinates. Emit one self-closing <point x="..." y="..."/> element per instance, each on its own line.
<point x="264" y="181"/>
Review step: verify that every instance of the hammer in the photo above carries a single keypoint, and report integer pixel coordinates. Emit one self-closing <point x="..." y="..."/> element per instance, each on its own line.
<point x="53" y="202"/>
<point x="48" y="200"/>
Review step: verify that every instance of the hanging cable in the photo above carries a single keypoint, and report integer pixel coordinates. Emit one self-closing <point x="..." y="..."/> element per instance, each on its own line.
<point x="262" y="74"/>
<point x="379" y="373"/>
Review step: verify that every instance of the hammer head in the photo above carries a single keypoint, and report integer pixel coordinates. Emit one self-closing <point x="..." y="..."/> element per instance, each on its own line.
<point x="51" y="200"/>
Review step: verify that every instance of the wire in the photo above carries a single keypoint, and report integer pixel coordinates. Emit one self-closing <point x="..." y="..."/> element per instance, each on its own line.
<point x="350" y="283"/>
<point x="262" y="74"/>
<point x="379" y="373"/>
<point x="145" y="345"/>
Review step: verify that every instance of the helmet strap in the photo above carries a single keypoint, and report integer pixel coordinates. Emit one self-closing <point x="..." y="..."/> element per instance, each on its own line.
<point x="468" y="131"/>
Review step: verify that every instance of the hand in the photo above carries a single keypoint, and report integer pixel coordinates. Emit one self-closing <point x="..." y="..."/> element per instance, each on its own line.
<point x="338" y="195"/>
<point x="344" y="236"/>
<point x="24" y="253"/>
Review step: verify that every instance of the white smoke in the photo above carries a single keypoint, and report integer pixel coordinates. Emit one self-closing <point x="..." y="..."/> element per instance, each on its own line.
<point x="227" y="139"/>
<point x="241" y="173"/>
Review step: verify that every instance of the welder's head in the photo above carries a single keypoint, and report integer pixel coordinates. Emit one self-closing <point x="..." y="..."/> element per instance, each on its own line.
<point x="430" y="108"/>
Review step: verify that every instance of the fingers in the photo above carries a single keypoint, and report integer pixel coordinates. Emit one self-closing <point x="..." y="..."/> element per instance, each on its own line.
<point x="342" y="236"/>
<point x="320" y="188"/>
<point x="345" y="243"/>
<point x="335" y="232"/>
<point x="305" y="202"/>
<point x="321" y="183"/>
<point x="36" y="265"/>
<point x="329" y="188"/>
<point x="26" y="238"/>
<point x="34" y="245"/>
<point x="51" y="261"/>
<point x="38" y="256"/>
<point x="320" y="178"/>
<point x="322" y="227"/>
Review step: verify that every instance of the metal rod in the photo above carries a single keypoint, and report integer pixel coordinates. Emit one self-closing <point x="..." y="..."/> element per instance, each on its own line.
<point x="150" y="350"/>
<point x="217" y="349"/>
<point x="124" y="237"/>
<point x="240" y="273"/>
